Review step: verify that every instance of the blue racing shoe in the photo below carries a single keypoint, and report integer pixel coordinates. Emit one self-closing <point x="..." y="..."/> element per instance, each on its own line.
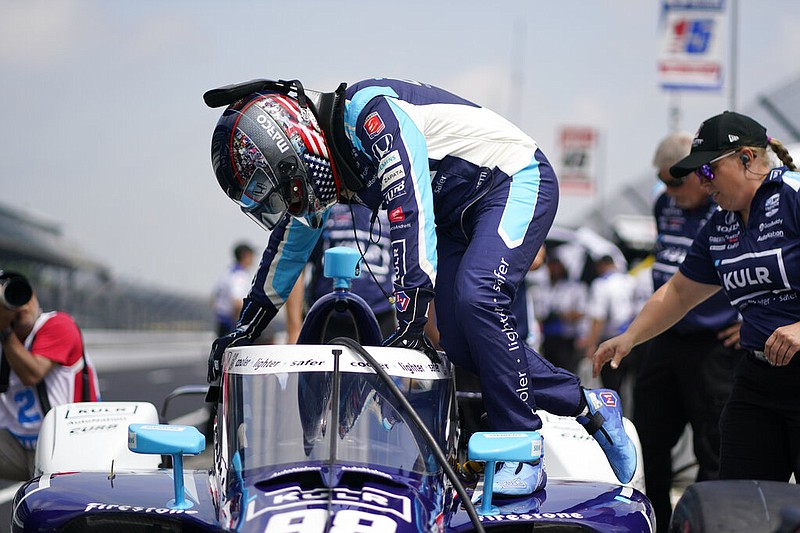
<point x="604" y="423"/>
<point x="519" y="479"/>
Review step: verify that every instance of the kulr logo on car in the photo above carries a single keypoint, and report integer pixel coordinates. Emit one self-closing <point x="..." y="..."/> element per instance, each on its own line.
<point x="367" y="498"/>
<point x="753" y="274"/>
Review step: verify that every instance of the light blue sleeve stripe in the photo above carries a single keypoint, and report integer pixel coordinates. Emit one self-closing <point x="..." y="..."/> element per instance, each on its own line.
<point x="417" y="149"/>
<point x="294" y="254"/>
<point x="520" y="205"/>
<point x="354" y="108"/>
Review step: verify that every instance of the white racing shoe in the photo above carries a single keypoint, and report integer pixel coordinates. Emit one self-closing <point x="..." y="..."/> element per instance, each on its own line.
<point x="519" y="479"/>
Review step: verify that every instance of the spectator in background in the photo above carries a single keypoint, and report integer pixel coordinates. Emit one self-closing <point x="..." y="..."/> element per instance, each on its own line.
<point x="609" y="310"/>
<point x="523" y="305"/>
<point x="692" y="362"/>
<point x="642" y="274"/>
<point x="351" y="226"/>
<point x="561" y="307"/>
<point x="231" y="289"/>
<point x="43" y="365"/>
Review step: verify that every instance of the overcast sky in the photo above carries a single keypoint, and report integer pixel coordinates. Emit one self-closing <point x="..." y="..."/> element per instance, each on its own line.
<point x="105" y="131"/>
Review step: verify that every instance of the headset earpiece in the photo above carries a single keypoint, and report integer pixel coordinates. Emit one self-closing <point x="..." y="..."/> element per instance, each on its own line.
<point x="745" y="159"/>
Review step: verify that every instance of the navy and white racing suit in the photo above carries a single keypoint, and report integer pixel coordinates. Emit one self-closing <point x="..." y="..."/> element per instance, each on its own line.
<point x="470" y="199"/>
<point x="758" y="267"/>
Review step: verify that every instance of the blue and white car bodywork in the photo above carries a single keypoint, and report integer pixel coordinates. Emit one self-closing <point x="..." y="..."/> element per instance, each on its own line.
<point x="312" y="438"/>
<point x="309" y="439"/>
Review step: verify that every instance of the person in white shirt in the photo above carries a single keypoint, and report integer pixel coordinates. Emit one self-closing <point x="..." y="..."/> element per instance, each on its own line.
<point x="232" y="288"/>
<point x="561" y="307"/>
<point x="610" y="309"/>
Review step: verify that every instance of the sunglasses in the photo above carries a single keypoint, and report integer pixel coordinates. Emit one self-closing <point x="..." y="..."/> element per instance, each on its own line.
<point x="672" y="183"/>
<point x="705" y="171"/>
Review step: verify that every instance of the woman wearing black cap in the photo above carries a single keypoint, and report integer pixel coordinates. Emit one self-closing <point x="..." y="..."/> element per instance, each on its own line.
<point x="751" y="249"/>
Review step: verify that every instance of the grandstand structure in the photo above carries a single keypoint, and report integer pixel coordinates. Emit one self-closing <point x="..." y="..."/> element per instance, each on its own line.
<point x="69" y="280"/>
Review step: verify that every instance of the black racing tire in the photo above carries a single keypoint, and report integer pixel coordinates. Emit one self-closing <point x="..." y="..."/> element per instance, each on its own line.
<point x="735" y="506"/>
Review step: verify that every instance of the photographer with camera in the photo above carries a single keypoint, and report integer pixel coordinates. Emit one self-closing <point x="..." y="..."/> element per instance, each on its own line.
<point x="42" y="364"/>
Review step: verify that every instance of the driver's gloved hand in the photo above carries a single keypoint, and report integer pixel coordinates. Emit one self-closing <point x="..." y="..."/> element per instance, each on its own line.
<point x="252" y="322"/>
<point x="234" y="338"/>
<point x="412" y="307"/>
<point x="407" y="337"/>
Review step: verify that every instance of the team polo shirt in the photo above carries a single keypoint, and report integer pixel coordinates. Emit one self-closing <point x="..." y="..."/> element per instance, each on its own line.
<point x="677" y="228"/>
<point x="758" y="266"/>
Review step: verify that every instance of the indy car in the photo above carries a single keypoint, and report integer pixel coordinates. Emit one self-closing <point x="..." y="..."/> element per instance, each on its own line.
<point x="342" y="437"/>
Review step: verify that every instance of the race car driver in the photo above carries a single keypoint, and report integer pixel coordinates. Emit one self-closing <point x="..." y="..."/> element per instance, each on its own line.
<point x="470" y="199"/>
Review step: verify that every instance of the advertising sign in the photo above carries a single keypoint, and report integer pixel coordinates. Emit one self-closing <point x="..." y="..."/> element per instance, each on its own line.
<point x="577" y="170"/>
<point x="691" y="54"/>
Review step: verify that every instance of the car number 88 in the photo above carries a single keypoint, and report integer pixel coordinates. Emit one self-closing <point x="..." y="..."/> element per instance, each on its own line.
<point x="344" y="521"/>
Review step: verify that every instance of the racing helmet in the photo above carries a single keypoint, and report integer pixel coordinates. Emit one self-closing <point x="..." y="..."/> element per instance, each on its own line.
<point x="270" y="157"/>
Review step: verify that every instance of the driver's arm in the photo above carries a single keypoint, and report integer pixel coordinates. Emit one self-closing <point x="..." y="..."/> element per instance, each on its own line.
<point x="288" y="250"/>
<point x="397" y="148"/>
<point x="294" y="310"/>
<point x="290" y="245"/>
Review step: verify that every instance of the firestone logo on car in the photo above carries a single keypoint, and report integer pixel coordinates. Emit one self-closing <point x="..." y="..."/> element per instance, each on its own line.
<point x="96" y="506"/>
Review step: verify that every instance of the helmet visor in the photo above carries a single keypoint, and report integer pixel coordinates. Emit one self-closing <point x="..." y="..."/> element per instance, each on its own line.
<point x="262" y="200"/>
<point x="266" y="199"/>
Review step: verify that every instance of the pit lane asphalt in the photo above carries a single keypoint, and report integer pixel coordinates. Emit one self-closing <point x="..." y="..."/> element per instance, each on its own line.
<point x="140" y="366"/>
